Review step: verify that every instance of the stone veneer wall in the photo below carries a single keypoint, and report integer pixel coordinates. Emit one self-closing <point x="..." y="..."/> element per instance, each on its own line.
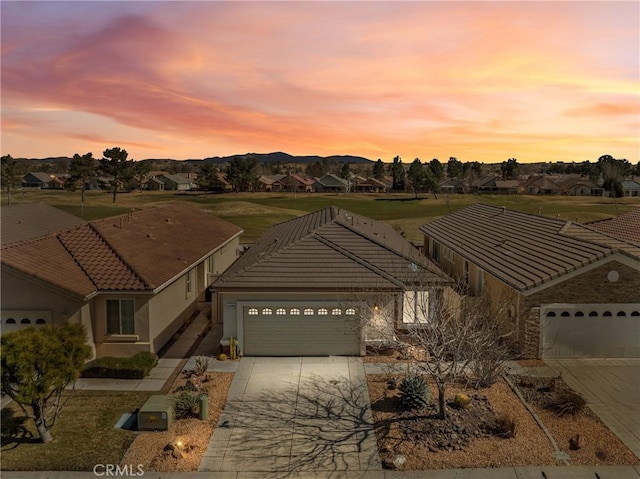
<point x="591" y="287"/>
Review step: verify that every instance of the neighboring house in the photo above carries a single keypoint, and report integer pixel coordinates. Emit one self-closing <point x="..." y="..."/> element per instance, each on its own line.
<point x="572" y="291"/>
<point x="486" y="184"/>
<point x="154" y="184"/>
<point x="625" y="226"/>
<point x="507" y="187"/>
<point x="331" y="183"/>
<point x="368" y="185"/>
<point x="268" y="183"/>
<point x="132" y="280"/>
<point x="43" y="180"/>
<point x="177" y="182"/>
<point x="224" y="183"/>
<point x="630" y="188"/>
<point x="541" y="185"/>
<point x="289" y="182"/>
<point x="296" y="292"/>
<point x="580" y="187"/>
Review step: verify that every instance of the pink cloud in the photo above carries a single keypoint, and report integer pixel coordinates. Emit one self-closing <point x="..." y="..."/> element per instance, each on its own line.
<point x="326" y="77"/>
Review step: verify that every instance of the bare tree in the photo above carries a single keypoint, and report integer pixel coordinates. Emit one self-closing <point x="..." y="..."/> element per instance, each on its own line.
<point x="448" y="335"/>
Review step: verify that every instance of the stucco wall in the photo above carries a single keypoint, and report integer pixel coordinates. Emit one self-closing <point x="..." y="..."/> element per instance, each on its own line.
<point x="21" y="294"/>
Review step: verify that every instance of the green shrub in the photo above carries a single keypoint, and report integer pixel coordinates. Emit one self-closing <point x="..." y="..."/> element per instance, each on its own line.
<point x="414" y="392"/>
<point x="134" y="367"/>
<point x="186" y="404"/>
<point x="201" y="365"/>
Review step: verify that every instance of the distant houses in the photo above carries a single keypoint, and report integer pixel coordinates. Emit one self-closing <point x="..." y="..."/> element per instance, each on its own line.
<point x="535" y="184"/>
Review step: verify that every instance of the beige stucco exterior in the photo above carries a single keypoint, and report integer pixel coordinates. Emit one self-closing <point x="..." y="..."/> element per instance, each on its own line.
<point x="158" y="313"/>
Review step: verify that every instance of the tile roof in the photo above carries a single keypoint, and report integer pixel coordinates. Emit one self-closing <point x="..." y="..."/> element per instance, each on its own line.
<point x="160" y="242"/>
<point x="625" y="226"/>
<point x="139" y="251"/>
<point x="32" y="220"/>
<point x="521" y="249"/>
<point x="47" y="260"/>
<point x="330" y="249"/>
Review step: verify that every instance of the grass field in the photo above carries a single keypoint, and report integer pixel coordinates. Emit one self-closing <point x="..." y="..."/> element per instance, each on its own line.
<point x="83" y="435"/>
<point x="255" y="212"/>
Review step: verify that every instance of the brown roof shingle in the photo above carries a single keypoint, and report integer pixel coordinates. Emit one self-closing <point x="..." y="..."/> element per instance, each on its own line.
<point x="331" y="249"/>
<point x="48" y="260"/>
<point x="139" y="251"/>
<point x="521" y="249"/>
<point x="625" y="226"/>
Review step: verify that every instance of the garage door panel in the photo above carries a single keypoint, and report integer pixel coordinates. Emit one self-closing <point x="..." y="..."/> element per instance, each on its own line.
<point x="583" y="336"/>
<point x="298" y="335"/>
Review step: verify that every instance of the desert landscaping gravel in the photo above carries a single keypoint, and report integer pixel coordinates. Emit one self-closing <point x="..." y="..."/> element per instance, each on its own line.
<point x="529" y="447"/>
<point x="148" y="448"/>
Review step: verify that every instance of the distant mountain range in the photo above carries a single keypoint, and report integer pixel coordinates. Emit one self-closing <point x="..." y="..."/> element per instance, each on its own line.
<point x="277" y="157"/>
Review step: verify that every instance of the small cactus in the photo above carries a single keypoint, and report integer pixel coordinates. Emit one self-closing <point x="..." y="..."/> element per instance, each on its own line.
<point x="222" y="357"/>
<point x="461" y="401"/>
<point x="414" y="392"/>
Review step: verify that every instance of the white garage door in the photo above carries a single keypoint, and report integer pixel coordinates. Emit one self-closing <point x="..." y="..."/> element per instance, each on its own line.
<point x="300" y="329"/>
<point x="590" y="330"/>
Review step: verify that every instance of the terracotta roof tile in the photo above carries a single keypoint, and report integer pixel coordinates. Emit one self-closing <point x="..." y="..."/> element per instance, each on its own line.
<point x="160" y="243"/>
<point x="138" y="251"/>
<point x="48" y="260"/>
<point x="106" y="269"/>
<point x="626" y="226"/>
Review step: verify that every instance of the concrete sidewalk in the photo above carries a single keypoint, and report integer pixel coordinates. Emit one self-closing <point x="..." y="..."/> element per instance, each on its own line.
<point x="550" y="472"/>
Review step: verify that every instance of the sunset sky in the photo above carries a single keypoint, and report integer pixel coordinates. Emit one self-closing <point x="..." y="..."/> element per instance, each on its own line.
<point x="485" y="81"/>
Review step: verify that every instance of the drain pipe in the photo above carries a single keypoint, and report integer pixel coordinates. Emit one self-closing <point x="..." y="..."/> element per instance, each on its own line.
<point x="557" y="453"/>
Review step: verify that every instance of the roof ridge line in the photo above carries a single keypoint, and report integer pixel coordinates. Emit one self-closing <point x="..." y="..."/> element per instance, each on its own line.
<point x="373" y="239"/>
<point x="75" y="260"/>
<point x="357" y="259"/>
<point x="122" y="260"/>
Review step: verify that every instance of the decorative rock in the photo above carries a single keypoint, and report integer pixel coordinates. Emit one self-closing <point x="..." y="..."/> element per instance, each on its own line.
<point x="178" y="454"/>
<point x="169" y="447"/>
<point x="576" y="442"/>
<point x="394" y="463"/>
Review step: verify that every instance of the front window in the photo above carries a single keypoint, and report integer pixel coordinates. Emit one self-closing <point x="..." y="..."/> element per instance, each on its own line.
<point x="120" y="316"/>
<point x="415" y="307"/>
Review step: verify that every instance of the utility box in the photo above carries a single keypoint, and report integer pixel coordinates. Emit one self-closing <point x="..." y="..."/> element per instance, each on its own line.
<point x="156" y="414"/>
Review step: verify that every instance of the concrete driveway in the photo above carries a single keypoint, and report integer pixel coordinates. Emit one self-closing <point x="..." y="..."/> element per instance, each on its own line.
<point x="295" y="414"/>
<point x="611" y="387"/>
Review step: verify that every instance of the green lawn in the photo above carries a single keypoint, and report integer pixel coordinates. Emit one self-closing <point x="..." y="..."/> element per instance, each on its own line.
<point x="255" y="212"/>
<point x="83" y="435"/>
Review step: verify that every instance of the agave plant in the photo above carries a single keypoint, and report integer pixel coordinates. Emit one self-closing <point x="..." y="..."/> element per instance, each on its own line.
<point x="414" y="392"/>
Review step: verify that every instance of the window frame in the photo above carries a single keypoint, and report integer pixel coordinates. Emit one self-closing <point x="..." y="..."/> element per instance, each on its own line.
<point x="121" y="330"/>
